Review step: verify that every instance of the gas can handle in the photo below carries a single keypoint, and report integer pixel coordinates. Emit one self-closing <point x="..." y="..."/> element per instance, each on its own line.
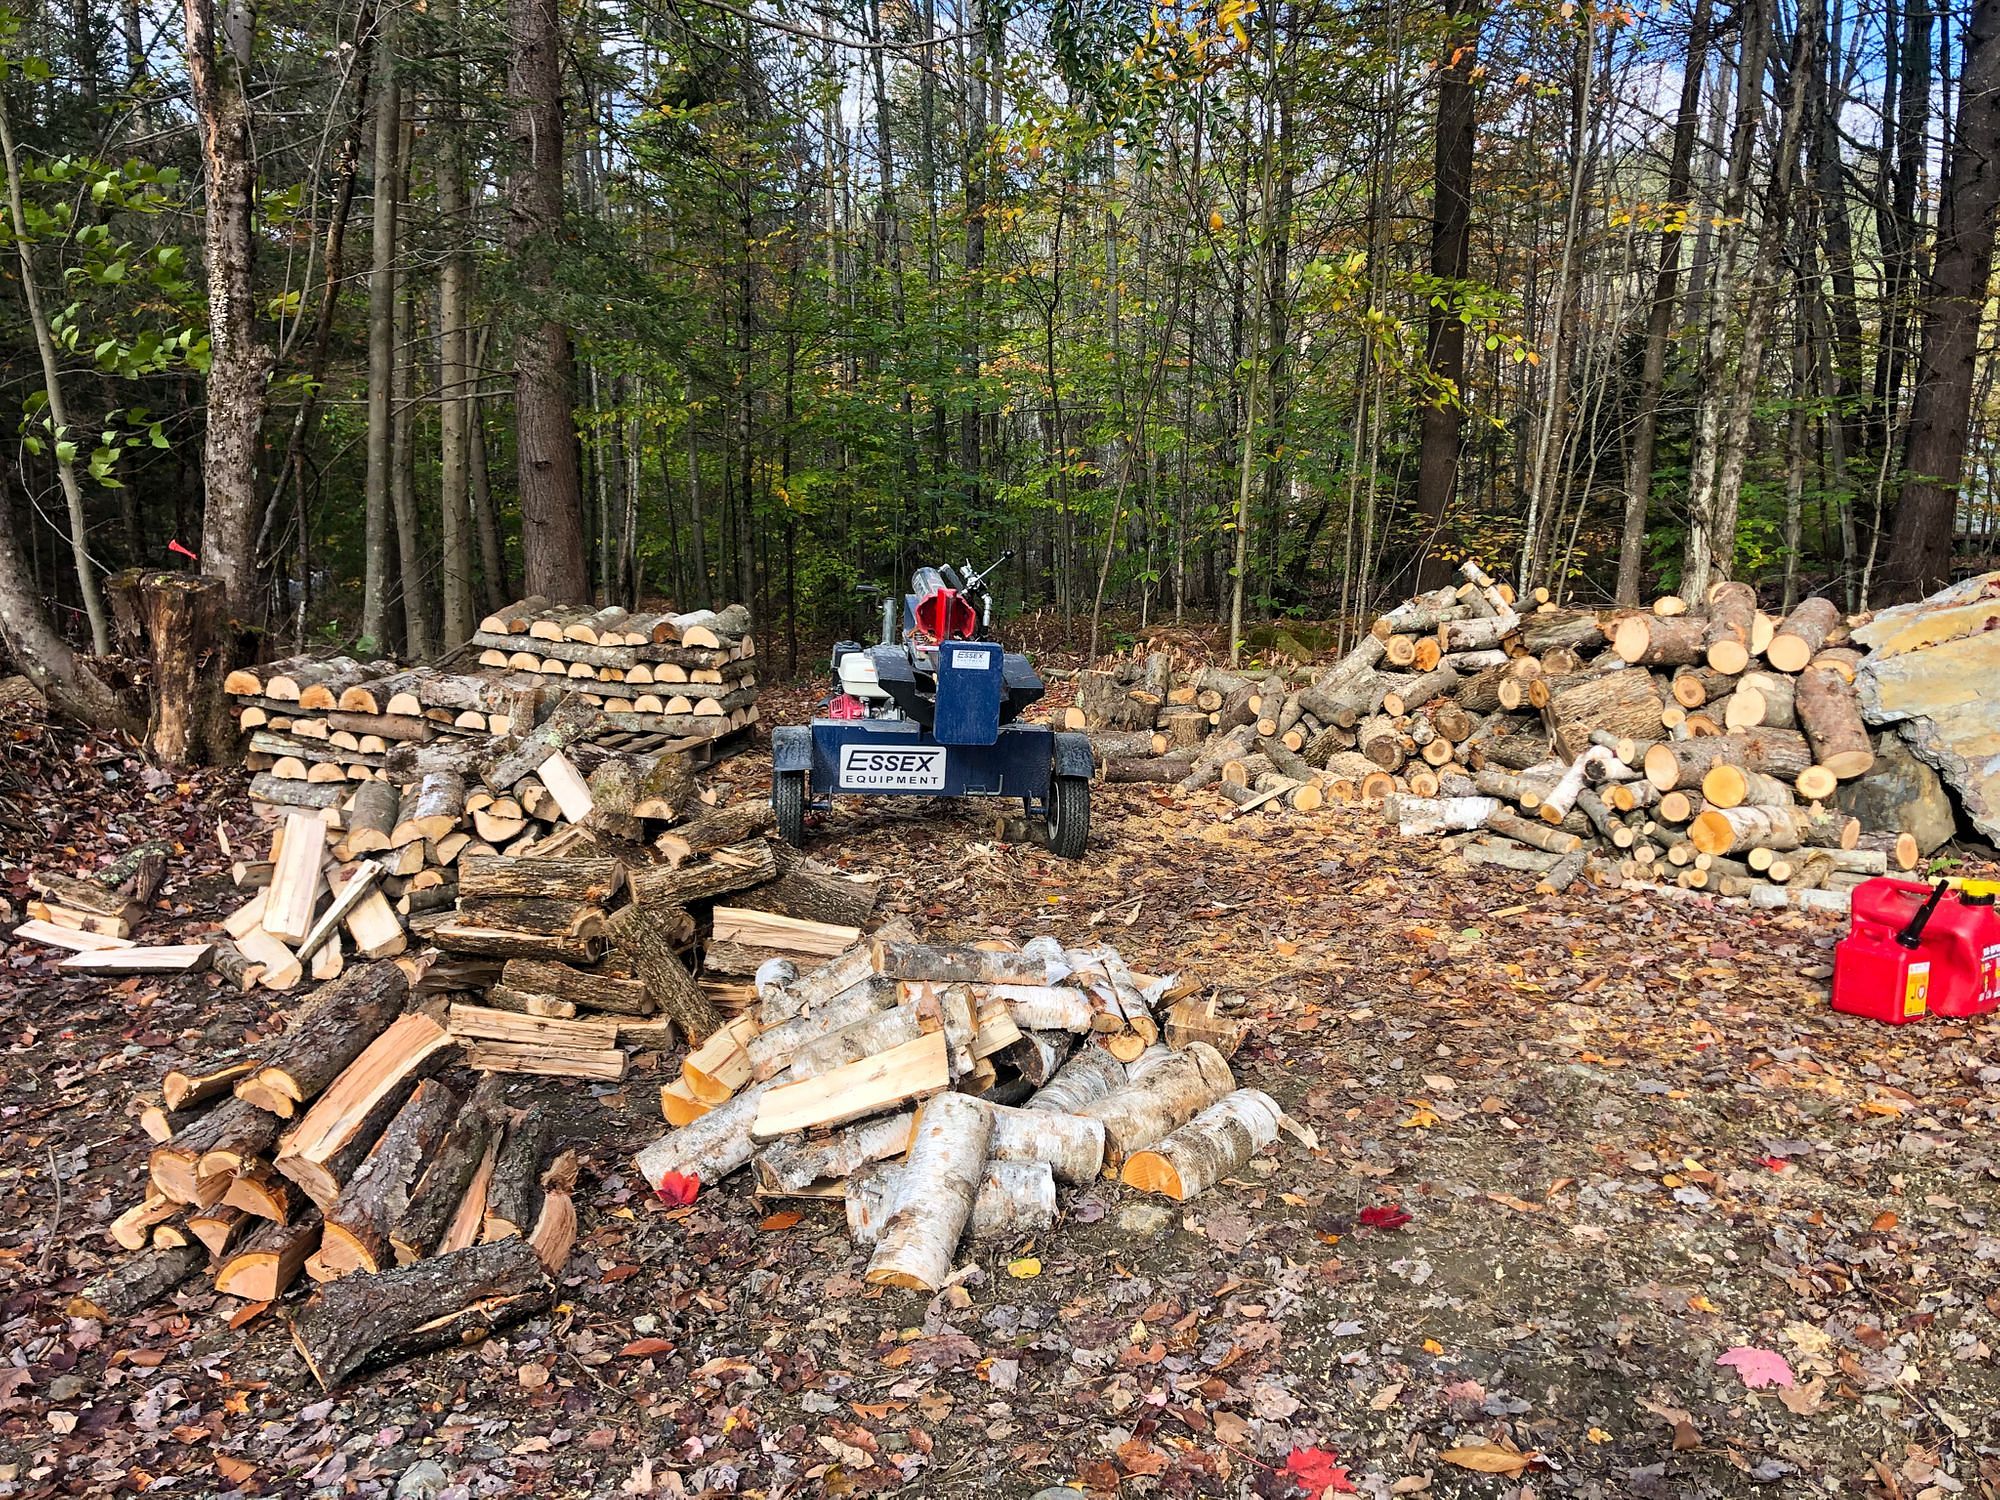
<point x="1913" y="934"/>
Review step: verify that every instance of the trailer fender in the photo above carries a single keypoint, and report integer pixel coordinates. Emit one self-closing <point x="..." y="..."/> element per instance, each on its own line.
<point x="1073" y="757"/>
<point x="792" y="748"/>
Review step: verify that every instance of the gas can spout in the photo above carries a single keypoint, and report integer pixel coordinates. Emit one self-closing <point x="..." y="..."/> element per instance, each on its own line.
<point x="1913" y="934"/>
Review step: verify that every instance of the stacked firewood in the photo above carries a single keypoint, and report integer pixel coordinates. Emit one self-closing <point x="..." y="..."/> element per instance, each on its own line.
<point x="94" y="914"/>
<point x="945" y="1093"/>
<point x="422" y="1203"/>
<point x="679" y="674"/>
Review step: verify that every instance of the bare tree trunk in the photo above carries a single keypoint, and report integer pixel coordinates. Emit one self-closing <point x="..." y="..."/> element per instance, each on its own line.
<point x="1920" y="543"/>
<point x="551" y="489"/>
<point x="419" y="595"/>
<point x="43" y="656"/>
<point x="381" y="344"/>
<point x="65" y="443"/>
<point x="1660" y="315"/>
<point x="1444" y="337"/>
<point x="218" y="70"/>
<point x="454" y="339"/>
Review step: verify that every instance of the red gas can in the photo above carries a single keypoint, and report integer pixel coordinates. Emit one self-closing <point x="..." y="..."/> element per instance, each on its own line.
<point x="1915" y="949"/>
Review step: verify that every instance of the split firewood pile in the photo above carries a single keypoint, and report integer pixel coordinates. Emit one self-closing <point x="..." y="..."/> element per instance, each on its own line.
<point x="946" y="1093"/>
<point x="678" y="674"/>
<point x="351" y="1148"/>
<point x="1714" y="748"/>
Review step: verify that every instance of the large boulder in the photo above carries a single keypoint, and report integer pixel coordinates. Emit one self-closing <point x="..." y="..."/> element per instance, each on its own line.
<point x="1900" y="794"/>
<point x="1933" y="672"/>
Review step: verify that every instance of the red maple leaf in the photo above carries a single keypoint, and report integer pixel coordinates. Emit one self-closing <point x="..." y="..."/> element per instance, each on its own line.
<point x="677" y="1189"/>
<point x="1384" y="1216"/>
<point x="1321" y="1472"/>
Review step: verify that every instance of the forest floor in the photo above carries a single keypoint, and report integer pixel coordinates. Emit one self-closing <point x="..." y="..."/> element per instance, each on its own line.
<point x="1573" y="1150"/>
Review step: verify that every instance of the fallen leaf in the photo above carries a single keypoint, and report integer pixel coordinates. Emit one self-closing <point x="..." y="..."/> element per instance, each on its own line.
<point x="1807" y="1399"/>
<point x="1384" y="1216"/>
<point x="1758" y="1367"/>
<point x="1320" y="1472"/>
<point x="1485" y="1458"/>
<point x="1886" y="1220"/>
<point x="1141" y="1457"/>
<point x="234" y="1469"/>
<point x="646" y="1348"/>
<point x="784" y="1220"/>
<point x="533" y="1376"/>
<point x="677" y="1189"/>
<point x="1385" y="1398"/>
<point x="1024" y="1268"/>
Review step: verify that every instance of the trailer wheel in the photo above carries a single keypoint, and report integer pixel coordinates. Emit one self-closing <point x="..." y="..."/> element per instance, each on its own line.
<point x="788" y="801"/>
<point x="1069" y="815"/>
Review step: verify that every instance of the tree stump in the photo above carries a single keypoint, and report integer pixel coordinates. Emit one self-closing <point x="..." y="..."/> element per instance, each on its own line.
<point x="179" y="622"/>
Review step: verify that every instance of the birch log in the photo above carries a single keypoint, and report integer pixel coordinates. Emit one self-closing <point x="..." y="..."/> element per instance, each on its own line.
<point x="1015" y="1198"/>
<point x="946" y="1165"/>
<point x="1168" y="1095"/>
<point x="1208" y="1148"/>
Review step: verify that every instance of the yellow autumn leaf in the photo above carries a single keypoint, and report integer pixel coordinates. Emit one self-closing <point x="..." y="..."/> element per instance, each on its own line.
<point x="1485" y="1458"/>
<point x="1024" y="1268"/>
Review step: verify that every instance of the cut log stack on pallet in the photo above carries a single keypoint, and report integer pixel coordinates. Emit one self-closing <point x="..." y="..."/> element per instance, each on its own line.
<point x="667" y="676"/>
<point x="944" y="1093"/>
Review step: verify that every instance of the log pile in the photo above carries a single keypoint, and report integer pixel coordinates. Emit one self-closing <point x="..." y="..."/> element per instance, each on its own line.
<point x="946" y="1093"/>
<point x="1701" y="747"/>
<point x="689" y="675"/>
<point x="349" y="1148"/>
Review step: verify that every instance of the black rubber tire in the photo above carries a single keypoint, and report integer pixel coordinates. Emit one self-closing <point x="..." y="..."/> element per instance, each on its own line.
<point x="788" y="801"/>
<point x="1069" y="815"/>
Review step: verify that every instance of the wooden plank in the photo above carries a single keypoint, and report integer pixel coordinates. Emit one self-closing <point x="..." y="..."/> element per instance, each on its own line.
<point x="294" y="888"/>
<point x="174" y="958"/>
<point x="105" y="925"/>
<point x="75" y="939"/>
<point x="859" y="1089"/>
<point x="249" y="917"/>
<point x="766" y="929"/>
<point x="591" y="1034"/>
<point x="281" y="966"/>
<point x="548" y="1062"/>
<point x="567" y="786"/>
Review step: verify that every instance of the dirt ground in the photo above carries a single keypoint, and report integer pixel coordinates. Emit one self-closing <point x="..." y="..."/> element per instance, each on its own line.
<point x="1573" y="1151"/>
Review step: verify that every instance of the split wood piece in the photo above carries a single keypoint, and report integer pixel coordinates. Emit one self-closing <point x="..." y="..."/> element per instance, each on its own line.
<point x="715" y="830"/>
<point x="791" y="1166"/>
<point x="435" y="1198"/>
<point x="706" y="1150"/>
<point x="75" y="939"/>
<point x="1013" y="1199"/>
<point x="913" y="1070"/>
<point x="1624" y="703"/>
<point x="1215" y="1143"/>
<point x="949" y="1013"/>
<point x="646" y="937"/>
<point x="773" y="1048"/>
<point x="1192" y="1019"/>
<point x="295" y="881"/>
<point x="804" y="991"/>
<point x="119" y="926"/>
<point x="567" y="788"/>
<point x="789" y="935"/>
<point x="534" y="916"/>
<point x="553" y="1233"/>
<point x="233" y="1133"/>
<point x="270" y="1259"/>
<point x="1046" y="1007"/>
<point x="725" y="871"/>
<point x="373" y="925"/>
<point x="956" y="965"/>
<point x="183" y="1088"/>
<point x="356" y="1236"/>
<point x="591" y="882"/>
<point x="469" y="1219"/>
<point x="133" y="1229"/>
<point x="175" y="958"/>
<point x="1166" y="1095"/>
<point x="370" y="817"/>
<point x="582" y="989"/>
<point x="431" y="809"/>
<point x="940" y="1181"/>
<point x="514" y="1193"/>
<point x="826" y="900"/>
<point x="129" y="1286"/>
<point x="260" y="1193"/>
<point x="678" y="1105"/>
<point x="1829" y="708"/>
<point x="410" y="1047"/>
<point x="488" y="1024"/>
<point x="218" y="1229"/>
<point x="341" y="1021"/>
<point x="278" y="968"/>
<point x="1673" y="764"/>
<point x="545" y="1060"/>
<point x="1562" y="797"/>
<point x="499" y="942"/>
<point x="447" y="1302"/>
<point x="573" y="720"/>
<point x="1091" y="1074"/>
<point x="661" y="787"/>
<point x="1037" y="1055"/>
